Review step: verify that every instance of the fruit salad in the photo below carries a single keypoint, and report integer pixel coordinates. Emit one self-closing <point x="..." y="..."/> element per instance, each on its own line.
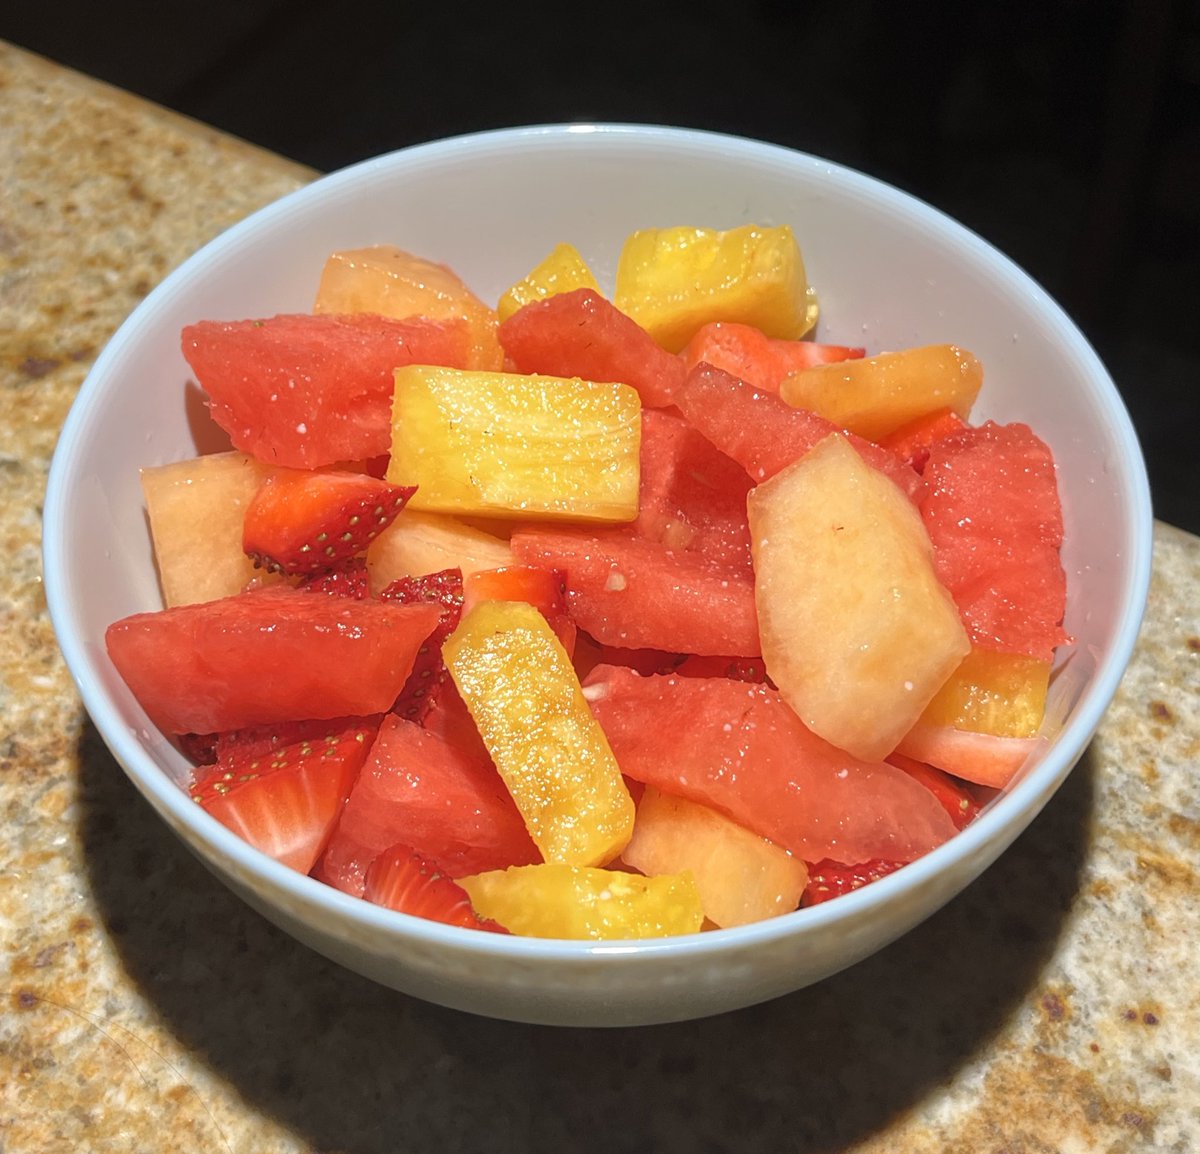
<point x="595" y="617"/>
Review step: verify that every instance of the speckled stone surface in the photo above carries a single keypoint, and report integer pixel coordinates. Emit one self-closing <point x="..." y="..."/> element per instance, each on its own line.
<point x="1054" y="1006"/>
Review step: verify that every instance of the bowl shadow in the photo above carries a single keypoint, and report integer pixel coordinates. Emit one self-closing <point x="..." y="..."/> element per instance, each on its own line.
<point x="349" y="1065"/>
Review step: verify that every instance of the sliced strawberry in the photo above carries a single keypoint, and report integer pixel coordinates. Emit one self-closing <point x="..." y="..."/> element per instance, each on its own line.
<point x="736" y="668"/>
<point x="198" y="748"/>
<point x="350" y="579"/>
<point x="956" y="800"/>
<point x="544" y="589"/>
<point x="301" y="522"/>
<point x="428" y="675"/>
<point x="401" y="879"/>
<point x="830" y="879"/>
<point x="282" y="789"/>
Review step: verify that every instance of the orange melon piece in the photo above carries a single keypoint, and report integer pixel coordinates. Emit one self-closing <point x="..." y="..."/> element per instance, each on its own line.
<point x="416" y="543"/>
<point x="390" y="282"/>
<point x="875" y="396"/>
<point x="1003" y="694"/>
<point x="741" y="877"/>
<point x="196" y="508"/>
<point x="856" y="630"/>
<point x="551" y="900"/>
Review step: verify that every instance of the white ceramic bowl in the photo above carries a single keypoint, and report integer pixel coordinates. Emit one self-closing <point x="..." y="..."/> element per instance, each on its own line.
<point x="890" y="271"/>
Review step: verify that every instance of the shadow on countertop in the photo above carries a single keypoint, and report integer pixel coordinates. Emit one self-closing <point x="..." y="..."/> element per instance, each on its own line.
<point x="350" y="1066"/>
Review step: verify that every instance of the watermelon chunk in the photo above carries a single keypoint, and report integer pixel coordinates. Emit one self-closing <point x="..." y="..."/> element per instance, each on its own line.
<point x="273" y="655"/>
<point x="637" y="594"/>
<point x="738" y="748"/>
<point x="449" y="806"/>
<point x="994" y="518"/>
<point x="580" y="334"/>
<point x="307" y="391"/>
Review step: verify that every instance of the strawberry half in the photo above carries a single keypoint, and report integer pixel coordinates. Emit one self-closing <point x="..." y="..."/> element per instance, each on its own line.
<point x="429" y="671"/>
<point x="830" y="879"/>
<point x="401" y="879"/>
<point x="349" y="579"/>
<point x="956" y="800"/>
<point x="282" y="788"/>
<point x="544" y="589"/>
<point x="300" y="522"/>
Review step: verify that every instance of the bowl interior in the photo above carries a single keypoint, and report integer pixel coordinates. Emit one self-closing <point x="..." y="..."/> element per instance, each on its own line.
<point x="890" y="272"/>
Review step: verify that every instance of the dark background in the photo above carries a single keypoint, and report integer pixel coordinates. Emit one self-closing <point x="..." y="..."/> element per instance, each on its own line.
<point x="1066" y="132"/>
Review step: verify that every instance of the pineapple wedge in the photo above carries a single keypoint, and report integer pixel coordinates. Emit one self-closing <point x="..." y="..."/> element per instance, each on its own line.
<point x="563" y="271"/>
<point x="857" y="632"/>
<point x="524" y="696"/>
<point x="515" y="446"/>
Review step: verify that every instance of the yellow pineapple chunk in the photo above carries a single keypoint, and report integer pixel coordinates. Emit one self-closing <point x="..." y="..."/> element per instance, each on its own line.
<point x="563" y="271"/>
<point x="196" y="509"/>
<point x="1003" y="694"/>
<point x="875" y="396"/>
<point x="673" y="281"/>
<point x="524" y="695"/>
<point x="515" y="446"/>
<point x="390" y="282"/>
<point x="562" y="901"/>
<point x="741" y="877"/>
<point x="857" y="632"/>
<point x="416" y="543"/>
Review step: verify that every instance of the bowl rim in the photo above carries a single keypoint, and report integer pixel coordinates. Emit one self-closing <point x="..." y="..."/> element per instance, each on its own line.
<point x="1027" y="796"/>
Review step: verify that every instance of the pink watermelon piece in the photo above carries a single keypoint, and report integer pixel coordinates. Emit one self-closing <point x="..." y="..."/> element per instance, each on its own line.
<point x="738" y="748"/>
<point x="993" y="514"/>
<point x="580" y="334"/>
<point x="307" y="391"/>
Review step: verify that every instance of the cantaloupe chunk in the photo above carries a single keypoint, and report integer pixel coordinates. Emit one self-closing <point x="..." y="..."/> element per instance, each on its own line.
<point x="524" y="696"/>
<point x="195" y="508"/>
<point x="416" y="543"/>
<point x="876" y="396"/>
<point x="741" y="877"/>
<point x="856" y="630"/>
<point x="560" y="901"/>
<point x="563" y="271"/>
<point x="390" y="282"/>
<point x="673" y="281"/>
<point x="514" y="446"/>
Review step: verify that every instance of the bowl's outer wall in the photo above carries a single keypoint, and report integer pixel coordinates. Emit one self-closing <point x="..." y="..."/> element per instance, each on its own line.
<point x="890" y="273"/>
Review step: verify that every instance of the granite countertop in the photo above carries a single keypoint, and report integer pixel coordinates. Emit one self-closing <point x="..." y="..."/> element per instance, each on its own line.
<point x="1054" y="1006"/>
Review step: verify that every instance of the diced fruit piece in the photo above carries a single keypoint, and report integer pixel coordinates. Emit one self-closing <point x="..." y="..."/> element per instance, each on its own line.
<point x="522" y="691"/>
<point x="403" y="880"/>
<point x="673" y="281"/>
<point x="992" y="692"/>
<point x="875" y="396"/>
<point x="562" y="901"/>
<point x="195" y="509"/>
<point x="741" y="877"/>
<point x="830" y="879"/>
<point x="856" y="630"/>
<point x="283" y="791"/>
<point x="349" y="579"/>
<point x="912" y="442"/>
<point x="993" y="515"/>
<point x="691" y="495"/>
<point x="417" y="543"/>
<point x="763" y="433"/>
<point x="389" y="282"/>
<point x="544" y="589"/>
<point x="307" y="391"/>
<point x="450" y="807"/>
<point x="739" y="749"/>
<point x="982" y="758"/>
<point x="638" y="594"/>
<point x="503" y="444"/>
<point x="425" y="682"/>
<point x="269" y="656"/>
<point x="306" y="522"/>
<point x="563" y="271"/>
<point x="580" y="334"/>
<point x="955" y="798"/>
<point x="745" y="352"/>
